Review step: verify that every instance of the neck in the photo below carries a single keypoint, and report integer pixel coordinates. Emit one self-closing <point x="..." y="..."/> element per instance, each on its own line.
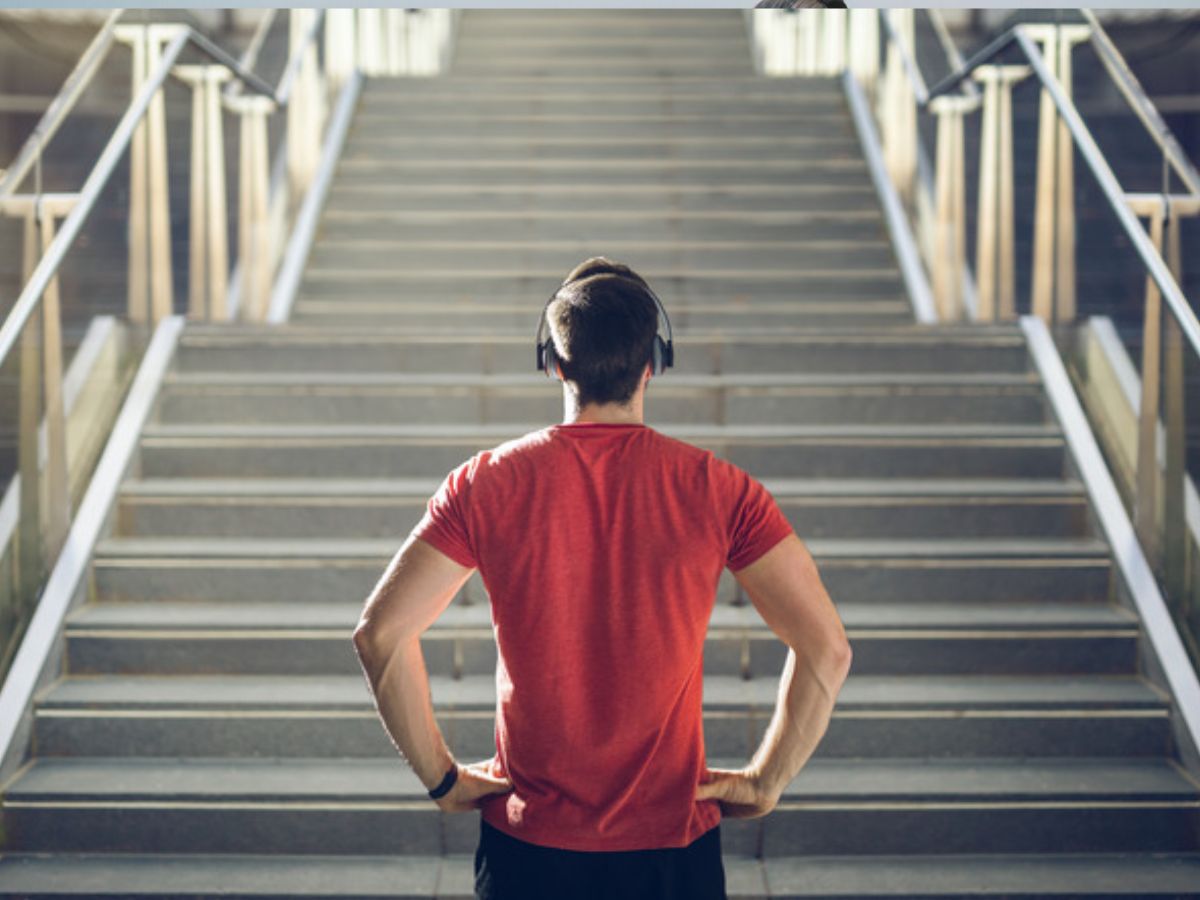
<point x="602" y="412"/>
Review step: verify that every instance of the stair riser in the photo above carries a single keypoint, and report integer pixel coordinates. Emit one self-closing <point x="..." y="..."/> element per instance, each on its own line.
<point x="389" y="256"/>
<point x="420" y="828"/>
<point x="600" y="66"/>
<point x="665" y="406"/>
<point x="399" y="458"/>
<point x="528" y="226"/>
<point x="581" y="88"/>
<point x="699" y="325"/>
<point x="362" y="148"/>
<point x="282" y="518"/>
<point x="713" y="357"/>
<point x="897" y="581"/>
<point x="397" y="174"/>
<point x="654" y="200"/>
<point x="471" y="736"/>
<point x="764" y="656"/>
<point x="385" y="113"/>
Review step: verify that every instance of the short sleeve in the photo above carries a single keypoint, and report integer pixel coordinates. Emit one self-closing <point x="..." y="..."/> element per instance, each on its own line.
<point x="444" y="524"/>
<point x="756" y="523"/>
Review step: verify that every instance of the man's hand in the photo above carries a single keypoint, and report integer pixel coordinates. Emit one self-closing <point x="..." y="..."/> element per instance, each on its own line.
<point x="740" y="793"/>
<point x="475" y="781"/>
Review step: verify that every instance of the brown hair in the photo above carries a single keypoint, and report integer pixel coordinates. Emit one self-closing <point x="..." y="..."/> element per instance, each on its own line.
<point x="603" y="321"/>
<point x="799" y="4"/>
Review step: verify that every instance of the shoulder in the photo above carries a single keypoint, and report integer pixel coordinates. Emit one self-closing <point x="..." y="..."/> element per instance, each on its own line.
<point x="503" y="457"/>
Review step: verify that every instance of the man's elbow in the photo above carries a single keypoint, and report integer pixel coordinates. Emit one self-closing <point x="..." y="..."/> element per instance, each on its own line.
<point x="829" y="659"/>
<point x="369" y="643"/>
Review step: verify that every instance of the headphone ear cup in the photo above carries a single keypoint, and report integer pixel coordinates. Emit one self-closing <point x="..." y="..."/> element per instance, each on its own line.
<point x="551" y="359"/>
<point x="656" y="355"/>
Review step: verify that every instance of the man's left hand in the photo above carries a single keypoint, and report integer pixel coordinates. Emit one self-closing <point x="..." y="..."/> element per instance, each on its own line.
<point x="475" y="781"/>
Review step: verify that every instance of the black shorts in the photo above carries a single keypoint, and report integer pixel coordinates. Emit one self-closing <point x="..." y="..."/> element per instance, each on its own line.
<point x="510" y="869"/>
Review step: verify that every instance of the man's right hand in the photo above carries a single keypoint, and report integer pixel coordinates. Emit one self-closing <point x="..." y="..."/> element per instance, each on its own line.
<point x="740" y="793"/>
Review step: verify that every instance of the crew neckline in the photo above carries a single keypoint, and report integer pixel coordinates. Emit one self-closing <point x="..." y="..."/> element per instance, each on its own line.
<point x="599" y="425"/>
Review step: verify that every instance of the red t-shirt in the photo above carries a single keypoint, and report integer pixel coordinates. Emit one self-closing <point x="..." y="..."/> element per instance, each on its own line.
<point x="600" y="546"/>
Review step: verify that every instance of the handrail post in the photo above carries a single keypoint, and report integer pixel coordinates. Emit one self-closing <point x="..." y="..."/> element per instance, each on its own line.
<point x="208" y="247"/>
<point x="30" y="552"/>
<point x="1165" y="546"/>
<point x="253" y="207"/>
<point x="1054" y="224"/>
<point x="1174" y="532"/>
<point x="138" y="309"/>
<point x="863" y="50"/>
<point x="303" y="114"/>
<point x="150" y="271"/>
<point x="995" y="256"/>
<point x="339" y="45"/>
<point x="950" y="186"/>
<point x="58" y="494"/>
<point x="899" y="110"/>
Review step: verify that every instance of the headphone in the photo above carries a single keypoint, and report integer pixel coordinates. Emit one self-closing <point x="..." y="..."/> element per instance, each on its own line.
<point x="662" y="353"/>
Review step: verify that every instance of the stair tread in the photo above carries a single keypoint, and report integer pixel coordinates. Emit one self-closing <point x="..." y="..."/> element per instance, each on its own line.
<point x="1007" y="380"/>
<point x="867" y="616"/>
<point x="504" y="430"/>
<point x="309" y="548"/>
<point x="356" y="489"/>
<point x="478" y="692"/>
<point x="384" y="781"/>
<point x="393" y="876"/>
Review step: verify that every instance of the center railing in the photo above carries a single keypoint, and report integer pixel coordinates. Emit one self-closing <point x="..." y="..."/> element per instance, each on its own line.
<point x="877" y="49"/>
<point x="328" y="52"/>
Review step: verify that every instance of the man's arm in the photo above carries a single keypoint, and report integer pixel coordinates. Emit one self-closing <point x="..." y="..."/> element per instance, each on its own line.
<point x="414" y="590"/>
<point x="785" y="587"/>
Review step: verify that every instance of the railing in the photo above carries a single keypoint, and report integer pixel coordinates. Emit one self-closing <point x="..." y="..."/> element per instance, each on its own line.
<point x="887" y="70"/>
<point x="326" y="50"/>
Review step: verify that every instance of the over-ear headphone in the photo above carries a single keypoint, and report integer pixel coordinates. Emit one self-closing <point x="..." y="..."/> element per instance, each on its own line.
<point x="662" y="353"/>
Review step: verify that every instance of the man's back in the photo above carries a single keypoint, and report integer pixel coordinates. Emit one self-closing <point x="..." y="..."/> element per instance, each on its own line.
<point x="600" y="545"/>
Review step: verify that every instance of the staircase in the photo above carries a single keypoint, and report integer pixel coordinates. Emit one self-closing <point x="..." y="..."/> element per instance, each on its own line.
<point x="213" y="731"/>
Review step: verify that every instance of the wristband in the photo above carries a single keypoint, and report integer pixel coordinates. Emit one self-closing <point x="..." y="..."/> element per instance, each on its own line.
<point x="447" y="782"/>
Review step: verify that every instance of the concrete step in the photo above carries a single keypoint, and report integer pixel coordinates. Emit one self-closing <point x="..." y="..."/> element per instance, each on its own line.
<point x="377" y="508"/>
<point x="347" y="222"/>
<point x="846" y="193"/>
<point x="391" y="451"/>
<point x="889" y="639"/>
<point x="336" y="806"/>
<point x="717" y="294"/>
<point x="402" y="145"/>
<point x="691" y="321"/>
<point x="334" y="398"/>
<point x="635" y="202"/>
<point x="240" y="571"/>
<point x="450" y="877"/>
<point x="600" y="65"/>
<point x="502" y="86"/>
<point x="380" y="255"/>
<point x="306" y="348"/>
<point x="913" y="716"/>
<point x="378" y="109"/>
<point x="848" y="172"/>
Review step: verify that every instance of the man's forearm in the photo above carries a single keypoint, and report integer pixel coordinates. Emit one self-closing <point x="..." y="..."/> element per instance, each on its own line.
<point x="804" y="705"/>
<point x="399" y="684"/>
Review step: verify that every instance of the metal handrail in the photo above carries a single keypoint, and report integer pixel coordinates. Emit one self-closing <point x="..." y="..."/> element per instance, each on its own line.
<point x="1141" y="105"/>
<point x="1062" y="133"/>
<point x="31" y="295"/>
<point x="1151" y="259"/>
<point x="47" y="267"/>
<point x="68" y="96"/>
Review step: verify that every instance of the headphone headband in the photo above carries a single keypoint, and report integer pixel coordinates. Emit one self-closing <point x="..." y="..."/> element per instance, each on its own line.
<point x="662" y="352"/>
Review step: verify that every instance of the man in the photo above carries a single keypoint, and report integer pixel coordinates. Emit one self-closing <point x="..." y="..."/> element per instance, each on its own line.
<point x="800" y="4"/>
<point x="600" y="541"/>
